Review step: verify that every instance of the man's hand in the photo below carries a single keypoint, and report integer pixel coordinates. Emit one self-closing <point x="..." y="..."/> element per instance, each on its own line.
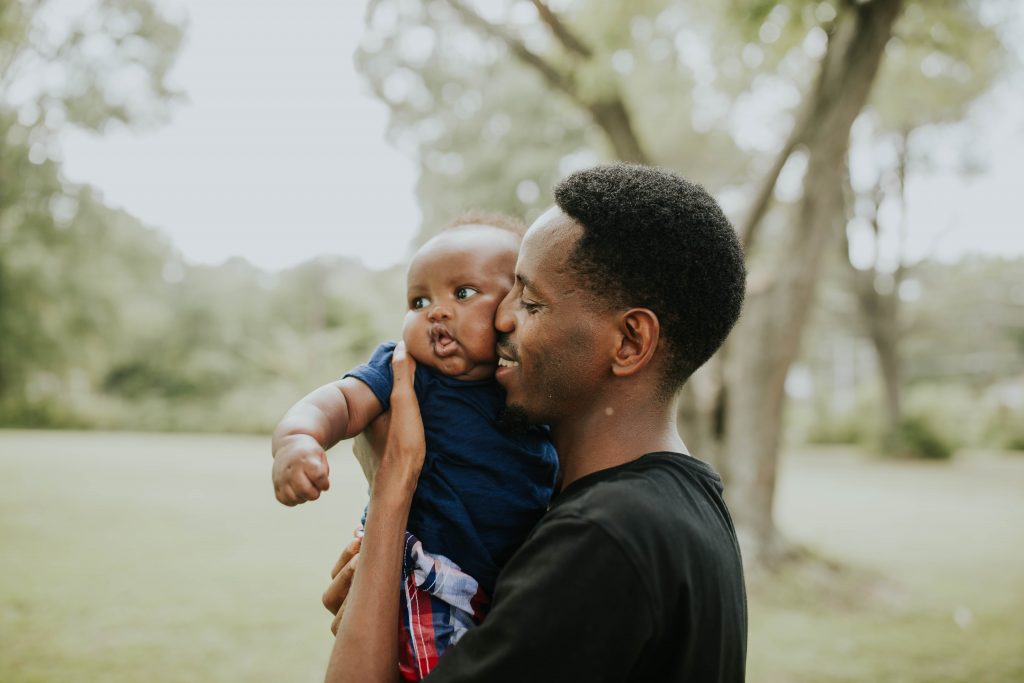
<point x="404" y="447"/>
<point x="366" y="649"/>
<point x="341" y="582"/>
<point x="300" y="470"/>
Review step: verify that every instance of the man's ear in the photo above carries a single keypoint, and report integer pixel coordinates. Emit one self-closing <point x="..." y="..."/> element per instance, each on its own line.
<point x="637" y="334"/>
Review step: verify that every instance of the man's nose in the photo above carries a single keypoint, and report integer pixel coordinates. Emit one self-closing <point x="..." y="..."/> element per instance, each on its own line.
<point x="504" y="321"/>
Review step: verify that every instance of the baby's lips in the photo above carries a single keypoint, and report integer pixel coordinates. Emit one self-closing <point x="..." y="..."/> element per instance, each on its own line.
<point x="439" y="333"/>
<point x="445" y="346"/>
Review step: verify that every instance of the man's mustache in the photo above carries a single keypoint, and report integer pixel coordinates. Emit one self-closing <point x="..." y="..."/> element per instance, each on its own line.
<point x="506" y="349"/>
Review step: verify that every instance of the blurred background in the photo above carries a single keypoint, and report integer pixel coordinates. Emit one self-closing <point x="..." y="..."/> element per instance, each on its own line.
<point x="205" y="208"/>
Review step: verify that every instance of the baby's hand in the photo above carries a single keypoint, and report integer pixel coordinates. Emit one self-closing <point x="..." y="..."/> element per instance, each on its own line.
<point x="300" y="470"/>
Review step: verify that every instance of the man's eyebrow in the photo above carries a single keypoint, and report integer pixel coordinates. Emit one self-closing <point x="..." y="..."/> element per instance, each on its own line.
<point x="527" y="282"/>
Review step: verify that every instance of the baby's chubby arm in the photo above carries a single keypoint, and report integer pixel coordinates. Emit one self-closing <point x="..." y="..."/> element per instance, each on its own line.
<point x="335" y="411"/>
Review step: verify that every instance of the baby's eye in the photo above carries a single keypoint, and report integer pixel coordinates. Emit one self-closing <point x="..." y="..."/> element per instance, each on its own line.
<point x="463" y="293"/>
<point x="418" y="303"/>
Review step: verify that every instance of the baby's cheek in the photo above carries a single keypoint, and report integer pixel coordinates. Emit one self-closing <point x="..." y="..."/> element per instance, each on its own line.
<point x="417" y="342"/>
<point x="486" y="338"/>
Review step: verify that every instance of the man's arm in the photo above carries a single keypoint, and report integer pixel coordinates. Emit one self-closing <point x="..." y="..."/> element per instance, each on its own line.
<point x="333" y="412"/>
<point x="366" y="649"/>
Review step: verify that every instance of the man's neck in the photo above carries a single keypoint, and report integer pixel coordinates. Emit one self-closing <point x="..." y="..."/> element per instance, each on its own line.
<point x="613" y="432"/>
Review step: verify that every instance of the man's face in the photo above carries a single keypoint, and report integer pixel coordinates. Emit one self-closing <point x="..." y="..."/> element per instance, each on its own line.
<point x="455" y="283"/>
<point x="549" y="328"/>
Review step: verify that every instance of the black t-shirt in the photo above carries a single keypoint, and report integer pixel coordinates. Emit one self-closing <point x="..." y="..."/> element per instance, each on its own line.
<point x="633" y="574"/>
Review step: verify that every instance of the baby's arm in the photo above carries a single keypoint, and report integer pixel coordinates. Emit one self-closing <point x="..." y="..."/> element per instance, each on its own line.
<point x="335" y="411"/>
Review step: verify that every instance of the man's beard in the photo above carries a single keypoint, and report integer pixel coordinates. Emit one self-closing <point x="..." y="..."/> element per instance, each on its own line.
<point x="512" y="420"/>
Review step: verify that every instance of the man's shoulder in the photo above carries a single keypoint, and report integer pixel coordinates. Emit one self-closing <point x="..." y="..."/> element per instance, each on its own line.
<point x="661" y="534"/>
<point x="655" y="487"/>
<point x="665" y="508"/>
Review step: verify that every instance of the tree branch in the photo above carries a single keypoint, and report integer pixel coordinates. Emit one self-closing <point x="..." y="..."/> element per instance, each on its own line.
<point x="566" y="37"/>
<point x="610" y="114"/>
<point x="825" y="101"/>
<point x="798" y="135"/>
<point x="762" y="199"/>
<point x="557" y="79"/>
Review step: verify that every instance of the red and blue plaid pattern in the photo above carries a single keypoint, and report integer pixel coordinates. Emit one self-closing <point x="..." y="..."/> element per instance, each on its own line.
<point x="440" y="602"/>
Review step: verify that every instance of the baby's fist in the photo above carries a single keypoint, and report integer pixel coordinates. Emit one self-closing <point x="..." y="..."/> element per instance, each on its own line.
<point x="300" y="470"/>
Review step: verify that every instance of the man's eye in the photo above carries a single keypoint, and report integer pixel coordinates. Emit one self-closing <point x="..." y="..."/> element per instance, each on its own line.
<point x="530" y="306"/>
<point x="419" y="302"/>
<point x="463" y="293"/>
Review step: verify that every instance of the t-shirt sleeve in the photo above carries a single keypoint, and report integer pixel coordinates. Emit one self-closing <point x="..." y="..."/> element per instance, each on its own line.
<point x="376" y="373"/>
<point x="571" y="606"/>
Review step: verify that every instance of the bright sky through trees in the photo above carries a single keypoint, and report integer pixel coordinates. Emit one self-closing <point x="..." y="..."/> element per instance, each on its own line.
<point x="277" y="151"/>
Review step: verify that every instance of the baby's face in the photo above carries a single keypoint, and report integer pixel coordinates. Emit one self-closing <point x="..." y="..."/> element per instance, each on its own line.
<point x="455" y="283"/>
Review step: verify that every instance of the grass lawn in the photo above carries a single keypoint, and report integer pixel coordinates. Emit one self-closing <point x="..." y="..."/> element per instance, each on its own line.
<point x="136" y="557"/>
<point x="930" y="583"/>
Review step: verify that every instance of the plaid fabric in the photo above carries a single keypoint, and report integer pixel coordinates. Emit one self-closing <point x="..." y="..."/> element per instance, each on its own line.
<point x="440" y="602"/>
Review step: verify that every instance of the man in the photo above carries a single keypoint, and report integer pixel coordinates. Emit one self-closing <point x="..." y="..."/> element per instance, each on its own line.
<point x="623" y="289"/>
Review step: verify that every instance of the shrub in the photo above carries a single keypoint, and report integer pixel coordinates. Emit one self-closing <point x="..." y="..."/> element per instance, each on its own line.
<point x="917" y="438"/>
<point x="861" y="425"/>
<point x="1004" y="424"/>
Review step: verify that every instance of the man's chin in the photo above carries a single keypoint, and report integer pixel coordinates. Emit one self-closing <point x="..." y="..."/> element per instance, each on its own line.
<point x="513" y="420"/>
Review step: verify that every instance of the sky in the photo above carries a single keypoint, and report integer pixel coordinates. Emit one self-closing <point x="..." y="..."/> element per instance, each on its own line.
<point x="278" y="153"/>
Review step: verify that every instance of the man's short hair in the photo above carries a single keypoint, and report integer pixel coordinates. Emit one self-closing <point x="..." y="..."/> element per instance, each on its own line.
<point x="652" y="239"/>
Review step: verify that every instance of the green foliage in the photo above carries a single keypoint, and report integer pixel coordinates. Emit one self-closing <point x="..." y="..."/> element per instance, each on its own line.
<point x="961" y="355"/>
<point x="917" y="438"/>
<point x="967" y="321"/>
<point x="858" y="425"/>
<point x="224" y="348"/>
<point x="490" y="132"/>
<point x="948" y="54"/>
<point x="101" y="322"/>
<point x="1004" y="427"/>
<point x="940" y="418"/>
<point x="67" y="260"/>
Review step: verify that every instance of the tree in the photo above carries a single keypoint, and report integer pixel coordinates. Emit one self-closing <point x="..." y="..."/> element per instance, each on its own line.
<point x="55" y="237"/>
<point x="939" y="64"/>
<point x="498" y="99"/>
<point x="102" y="322"/>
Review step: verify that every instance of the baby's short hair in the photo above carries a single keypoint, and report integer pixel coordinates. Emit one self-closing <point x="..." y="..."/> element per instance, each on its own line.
<point x="491" y="219"/>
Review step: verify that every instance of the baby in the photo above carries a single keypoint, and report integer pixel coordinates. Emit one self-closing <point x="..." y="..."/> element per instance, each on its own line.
<point x="480" y="490"/>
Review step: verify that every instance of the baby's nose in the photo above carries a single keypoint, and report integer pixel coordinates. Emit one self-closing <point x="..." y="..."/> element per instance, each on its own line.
<point x="439" y="312"/>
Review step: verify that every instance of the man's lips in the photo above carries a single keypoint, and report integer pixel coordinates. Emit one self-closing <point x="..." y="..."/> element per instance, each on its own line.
<point x="507" y="356"/>
<point x="507" y="360"/>
<point x="505" y="368"/>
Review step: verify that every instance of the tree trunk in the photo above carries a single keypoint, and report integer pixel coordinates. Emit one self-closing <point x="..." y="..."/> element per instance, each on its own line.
<point x="766" y="340"/>
<point x="880" y="309"/>
<point x="879" y="312"/>
<point x="700" y="414"/>
<point x="612" y="117"/>
<point x="886" y="339"/>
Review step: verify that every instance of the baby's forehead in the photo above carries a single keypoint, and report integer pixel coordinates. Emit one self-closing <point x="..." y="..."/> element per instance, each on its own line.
<point x="468" y="255"/>
<point x="482" y="242"/>
<point x="472" y="235"/>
